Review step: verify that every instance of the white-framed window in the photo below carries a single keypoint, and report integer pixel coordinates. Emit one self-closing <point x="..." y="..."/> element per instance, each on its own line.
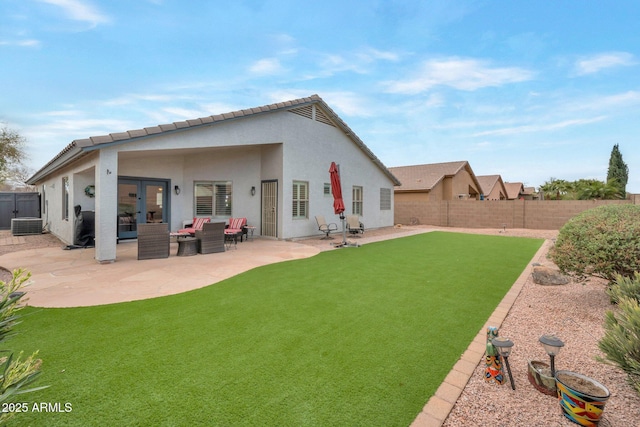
<point x="385" y="199"/>
<point x="65" y="198"/>
<point x="300" y="208"/>
<point x="213" y="198"/>
<point x="327" y="189"/>
<point x="356" y="205"/>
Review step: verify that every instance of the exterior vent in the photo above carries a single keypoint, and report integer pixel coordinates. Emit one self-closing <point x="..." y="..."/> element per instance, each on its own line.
<point x="322" y="118"/>
<point x="304" y="111"/>
<point x="314" y="113"/>
<point x="24" y="226"/>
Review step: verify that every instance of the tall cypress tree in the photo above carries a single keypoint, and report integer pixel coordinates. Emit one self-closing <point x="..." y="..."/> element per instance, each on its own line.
<point x="618" y="170"/>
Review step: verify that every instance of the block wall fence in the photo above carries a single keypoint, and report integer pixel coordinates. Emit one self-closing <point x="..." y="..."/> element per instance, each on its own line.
<point x="531" y="214"/>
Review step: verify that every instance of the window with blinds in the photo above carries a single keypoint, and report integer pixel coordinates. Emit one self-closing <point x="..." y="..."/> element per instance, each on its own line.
<point x="385" y="199"/>
<point x="356" y="206"/>
<point x="300" y="200"/>
<point x="213" y="199"/>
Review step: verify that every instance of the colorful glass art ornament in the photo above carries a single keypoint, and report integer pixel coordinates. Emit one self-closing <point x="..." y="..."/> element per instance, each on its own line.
<point x="493" y="371"/>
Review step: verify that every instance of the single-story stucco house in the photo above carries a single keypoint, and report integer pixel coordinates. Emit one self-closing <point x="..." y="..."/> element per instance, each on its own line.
<point x="269" y="164"/>
<point x="436" y="181"/>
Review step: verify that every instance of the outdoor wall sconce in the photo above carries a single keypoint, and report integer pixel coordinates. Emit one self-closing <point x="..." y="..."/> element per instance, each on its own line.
<point x="253" y="190"/>
<point x="552" y="346"/>
<point x="176" y="189"/>
<point x="504" y="349"/>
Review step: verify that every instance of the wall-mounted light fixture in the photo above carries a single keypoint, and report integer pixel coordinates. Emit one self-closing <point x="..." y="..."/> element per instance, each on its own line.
<point x="253" y="190"/>
<point x="176" y="189"/>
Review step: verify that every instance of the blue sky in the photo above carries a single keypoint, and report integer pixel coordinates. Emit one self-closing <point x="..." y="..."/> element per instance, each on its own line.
<point x="526" y="89"/>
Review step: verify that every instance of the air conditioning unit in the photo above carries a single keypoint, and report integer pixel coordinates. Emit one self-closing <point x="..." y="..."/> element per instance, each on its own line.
<point x="24" y="226"/>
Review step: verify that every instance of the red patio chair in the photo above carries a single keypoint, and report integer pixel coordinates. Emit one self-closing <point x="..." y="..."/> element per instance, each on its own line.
<point x="195" y="225"/>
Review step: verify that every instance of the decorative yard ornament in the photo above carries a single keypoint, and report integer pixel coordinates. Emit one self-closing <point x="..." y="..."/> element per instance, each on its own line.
<point x="493" y="371"/>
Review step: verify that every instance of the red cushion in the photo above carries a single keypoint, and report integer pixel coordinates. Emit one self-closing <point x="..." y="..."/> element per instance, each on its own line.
<point x="237" y="223"/>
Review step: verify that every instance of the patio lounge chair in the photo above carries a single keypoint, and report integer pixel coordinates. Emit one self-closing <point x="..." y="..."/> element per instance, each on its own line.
<point x="196" y="224"/>
<point x="324" y="227"/>
<point x="236" y="227"/>
<point x="354" y="226"/>
<point x="211" y="238"/>
<point x="153" y="240"/>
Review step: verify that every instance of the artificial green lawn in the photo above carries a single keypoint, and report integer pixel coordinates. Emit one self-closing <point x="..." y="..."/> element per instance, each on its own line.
<point x="357" y="336"/>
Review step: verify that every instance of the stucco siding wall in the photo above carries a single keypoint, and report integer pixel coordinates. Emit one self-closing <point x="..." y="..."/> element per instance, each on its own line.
<point x="80" y="175"/>
<point x="310" y="149"/>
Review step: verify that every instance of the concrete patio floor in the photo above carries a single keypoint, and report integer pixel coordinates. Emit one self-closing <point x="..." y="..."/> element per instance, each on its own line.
<point x="72" y="278"/>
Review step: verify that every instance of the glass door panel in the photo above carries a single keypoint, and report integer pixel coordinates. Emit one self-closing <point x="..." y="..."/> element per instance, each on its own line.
<point x="155" y="194"/>
<point x="128" y="211"/>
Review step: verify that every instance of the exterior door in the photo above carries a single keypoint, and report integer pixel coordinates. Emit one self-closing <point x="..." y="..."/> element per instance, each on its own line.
<point x="141" y="201"/>
<point x="269" y="221"/>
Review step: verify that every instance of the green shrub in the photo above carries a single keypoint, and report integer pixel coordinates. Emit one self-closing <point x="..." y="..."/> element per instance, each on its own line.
<point x="621" y="341"/>
<point x="16" y="373"/>
<point x="628" y="287"/>
<point x="602" y="242"/>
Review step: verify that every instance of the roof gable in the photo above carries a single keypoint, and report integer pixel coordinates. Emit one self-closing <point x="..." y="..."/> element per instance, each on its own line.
<point x="514" y="189"/>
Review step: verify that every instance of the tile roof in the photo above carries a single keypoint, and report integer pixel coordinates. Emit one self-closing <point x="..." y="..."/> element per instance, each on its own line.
<point x="514" y="189"/>
<point x="81" y="147"/>
<point x="425" y="177"/>
<point x="488" y="182"/>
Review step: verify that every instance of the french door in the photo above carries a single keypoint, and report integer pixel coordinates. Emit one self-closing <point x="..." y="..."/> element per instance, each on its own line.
<point x="141" y="201"/>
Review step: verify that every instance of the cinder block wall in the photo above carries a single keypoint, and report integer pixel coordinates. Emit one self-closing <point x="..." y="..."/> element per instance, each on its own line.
<point x="532" y="214"/>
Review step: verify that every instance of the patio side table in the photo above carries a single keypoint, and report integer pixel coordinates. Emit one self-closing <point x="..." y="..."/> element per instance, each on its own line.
<point x="187" y="246"/>
<point x="250" y="230"/>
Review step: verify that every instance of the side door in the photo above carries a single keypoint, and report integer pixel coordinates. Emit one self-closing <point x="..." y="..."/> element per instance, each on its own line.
<point x="269" y="217"/>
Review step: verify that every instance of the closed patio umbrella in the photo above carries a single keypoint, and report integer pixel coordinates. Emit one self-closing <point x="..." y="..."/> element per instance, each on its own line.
<point x="338" y="203"/>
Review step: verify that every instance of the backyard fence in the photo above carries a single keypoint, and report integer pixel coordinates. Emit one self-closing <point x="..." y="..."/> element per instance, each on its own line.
<point x="531" y="214"/>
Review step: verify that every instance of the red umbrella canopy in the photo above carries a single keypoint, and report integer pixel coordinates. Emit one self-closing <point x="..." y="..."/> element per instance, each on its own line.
<point x="336" y="189"/>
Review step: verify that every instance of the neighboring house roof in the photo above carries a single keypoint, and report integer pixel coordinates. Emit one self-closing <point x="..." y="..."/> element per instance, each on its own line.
<point x="529" y="191"/>
<point x="81" y="147"/>
<point x="488" y="182"/>
<point x="514" y="189"/>
<point x="425" y="177"/>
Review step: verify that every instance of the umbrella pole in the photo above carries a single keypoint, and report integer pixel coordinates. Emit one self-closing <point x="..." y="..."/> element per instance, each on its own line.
<point x="344" y="231"/>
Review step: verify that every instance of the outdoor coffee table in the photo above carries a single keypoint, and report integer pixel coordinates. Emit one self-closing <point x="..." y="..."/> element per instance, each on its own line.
<point x="187" y="246"/>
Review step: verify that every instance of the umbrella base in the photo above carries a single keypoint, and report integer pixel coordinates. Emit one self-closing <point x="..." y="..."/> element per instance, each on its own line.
<point x="346" y="245"/>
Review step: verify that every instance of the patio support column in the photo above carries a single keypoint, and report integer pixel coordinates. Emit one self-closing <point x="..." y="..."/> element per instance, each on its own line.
<point x="106" y="205"/>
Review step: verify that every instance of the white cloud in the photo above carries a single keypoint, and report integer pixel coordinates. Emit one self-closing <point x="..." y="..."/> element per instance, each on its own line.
<point x="602" y="61"/>
<point x="80" y="10"/>
<point x="462" y="74"/>
<point x="371" y="55"/>
<point x="539" y="127"/>
<point x="266" y="66"/>
<point x="21" y="43"/>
